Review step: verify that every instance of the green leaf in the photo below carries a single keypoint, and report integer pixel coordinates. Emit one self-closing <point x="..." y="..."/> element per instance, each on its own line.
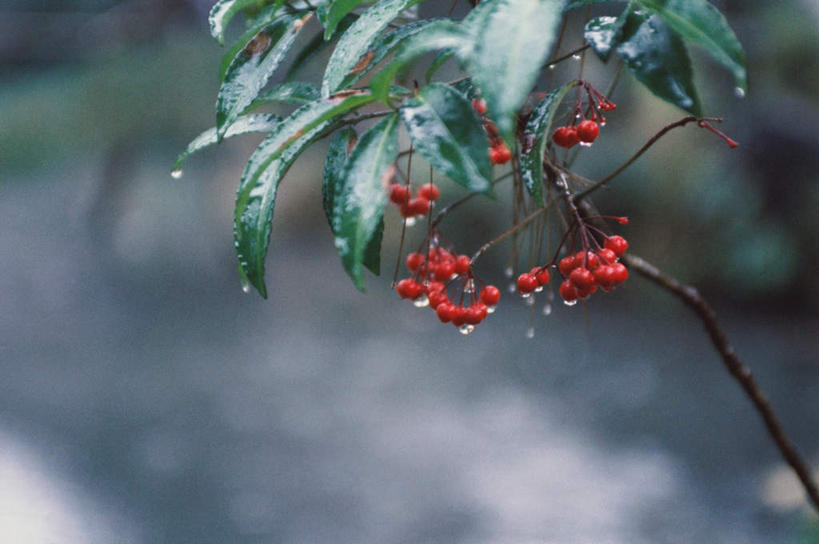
<point x="604" y="34"/>
<point x="269" y="21"/>
<point x="372" y="254"/>
<point x="355" y="42"/>
<point x="511" y="45"/>
<point x="314" y="47"/>
<point x="264" y="170"/>
<point x="250" y="71"/>
<point x="702" y="23"/>
<point x="443" y="127"/>
<point x="435" y="36"/>
<point x="293" y="92"/>
<point x="221" y="14"/>
<point x="260" y="122"/>
<point x="536" y="136"/>
<point x="331" y="180"/>
<point x="439" y="61"/>
<point x="574" y="4"/>
<point x="658" y="59"/>
<point x="360" y="204"/>
<point x="331" y="15"/>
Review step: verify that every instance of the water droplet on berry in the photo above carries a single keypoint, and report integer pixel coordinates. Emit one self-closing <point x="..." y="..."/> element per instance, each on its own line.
<point x="569" y="302"/>
<point x="576" y="57"/>
<point x="176" y="173"/>
<point x="410" y="221"/>
<point x="538" y="289"/>
<point x="530" y="333"/>
<point x="585" y="144"/>
<point x="602" y="123"/>
<point x="421" y="302"/>
<point x="508" y="272"/>
<point x="530" y="300"/>
<point x="739" y="92"/>
<point x="466" y="329"/>
<point x="491" y="309"/>
<point x="547" y="309"/>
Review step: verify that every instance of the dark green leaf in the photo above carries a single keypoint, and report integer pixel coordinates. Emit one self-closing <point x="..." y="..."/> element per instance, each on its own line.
<point x="360" y="204"/>
<point x="439" y="61"/>
<point x="357" y="40"/>
<point x="435" y="36"/>
<point x="574" y="4"/>
<point x="331" y="180"/>
<point x="372" y="254"/>
<point x="443" y="127"/>
<point x="269" y="21"/>
<point x="264" y="170"/>
<point x="702" y="23"/>
<point x="261" y="122"/>
<point x="604" y="34"/>
<point x="658" y="59"/>
<point x="314" y="47"/>
<point x="536" y="136"/>
<point x="332" y="14"/>
<point x="511" y="45"/>
<point x="293" y="92"/>
<point x="221" y="14"/>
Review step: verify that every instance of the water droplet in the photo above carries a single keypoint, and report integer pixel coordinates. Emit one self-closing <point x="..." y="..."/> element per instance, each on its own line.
<point x="491" y="309"/>
<point x="245" y="288"/>
<point x="552" y="66"/>
<point x="547" y="309"/>
<point x="530" y="300"/>
<point x="453" y="276"/>
<point x="508" y="272"/>
<point x="538" y="289"/>
<point x="421" y="302"/>
<point x="176" y="173"/>
<point x="569" y="302"/>
<point x="585" y="144"/>
<point x="512" y="288"/>
<point x="739" y="92"/>
<point x="530" y="333"/>
<point x="602" y="123"/>
<point x="470" y="286"/>
<point x="466" y="329"/>
<point x="410" y="221"/>
<point x="576" y="57"/>
<point x="526" y="295"/>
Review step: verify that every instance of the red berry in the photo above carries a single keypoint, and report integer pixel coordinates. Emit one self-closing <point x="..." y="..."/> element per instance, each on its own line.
<point x="409" y="288"/>
<point x="474" y="314"/>
<point x="445" y="312"/>
<point x="436" y="298"/>
<point x="479" y="105"/>
<point x="458" y="314"/>
<point x="586" y="260"/>
<point x="540" y="274"/>
<point x="586" y="291"/>
<point x="491" y="129"/>
<point x="607" y="256"/>
<point x="414" y="261"/>
<point x="527" y="283"/>
<point x="565" y="137"/>
<point x="444" y="270"/>
<point x="429" y="191"/>
<point x="418" y="206"/>
<point x="568" y="291"/>
<point x="462" y="264"/>
<point x="399" y="194"/>
<point x="490" y="295"/>
<point x="617" y="244"/>
<point x="619" y="273"/>
<point x="500" y="154"/>
<point x="582" y="278"/>
<point x="604" y="276"/>
<point x="587" y="131"/>
<point x="434" y="286"/>
<point x="566" y="265"/>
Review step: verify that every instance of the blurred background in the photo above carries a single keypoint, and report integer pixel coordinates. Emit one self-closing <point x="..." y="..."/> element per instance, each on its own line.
<point x="145" y="399"/>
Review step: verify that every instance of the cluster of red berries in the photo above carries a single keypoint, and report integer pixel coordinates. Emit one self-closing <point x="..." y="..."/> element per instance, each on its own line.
<point x="583" y="272"/>
<point x="409" y="206"/>
<point x="585" y="132"/>
<point x="432" y="274"/>
<point x="499" y="152"/>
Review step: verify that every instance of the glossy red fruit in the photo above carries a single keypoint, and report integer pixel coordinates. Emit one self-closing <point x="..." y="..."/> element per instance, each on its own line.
<point x="587" y="131"/>
<point x="604" y="276"/>
<point x="418" y="206"/>
<point x="586" y="291"/>
<point x="490" y="295"/>
<point x="444" y="270"/>
<point x="479" y="105"/>
<point x="473" y="314"/>
<point x="462" y="264"/>
<point x="436" y="298"/>
<point x="414" y="261"/>
<point x="429" y="191"/>
<point x="566" y="265"/>
<point x="607" y="256"/>
<point x="499" y="154"/>
<point x="445" y="312"/>
<point x="527" y="283"/>
<point x="586" y="260"/>
<point x="541" y="275"/>
<point x="582" y="278"/>
<point x="434" y="286"/>
<point x="409" y="288"/>
<point x="458" y="315"/>
<point x="565" y="137"/>
<point x="399" y="194"/>
<point x="619" y="273"/>
<point x="568" y="291"/>
<point x="617" y="244"/>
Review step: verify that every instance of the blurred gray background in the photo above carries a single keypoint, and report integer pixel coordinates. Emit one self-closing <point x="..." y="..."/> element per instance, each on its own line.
<point x="145" y="399"/>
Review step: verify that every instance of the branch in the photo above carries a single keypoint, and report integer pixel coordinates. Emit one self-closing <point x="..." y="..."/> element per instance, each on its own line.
<point x="737" y="368"/>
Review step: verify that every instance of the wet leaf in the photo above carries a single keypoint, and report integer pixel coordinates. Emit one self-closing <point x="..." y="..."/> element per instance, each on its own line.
<point x="315" y="46"/>
<point x="294" y="92"/>
<point x="265" y="169"/>
<point x="332" y="14"/>
<point x="358" y="39"/>
<point x="604" y="34"/>
<point x="512" y="41"/>
<point x="250" y="71"/>
<point x="261" y="122"/>
<point x="221" y="14"/>
<point x="539" y="126"/>
<point x="331" y="179"/>
<point x="359" y="205"/>
<point x="659" y="60"/>
<point x="443" y="127"/>
<point x="574" y="4"/>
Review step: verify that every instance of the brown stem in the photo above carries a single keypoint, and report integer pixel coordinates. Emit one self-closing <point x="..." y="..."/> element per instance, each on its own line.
<point x="741" y="373"/>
